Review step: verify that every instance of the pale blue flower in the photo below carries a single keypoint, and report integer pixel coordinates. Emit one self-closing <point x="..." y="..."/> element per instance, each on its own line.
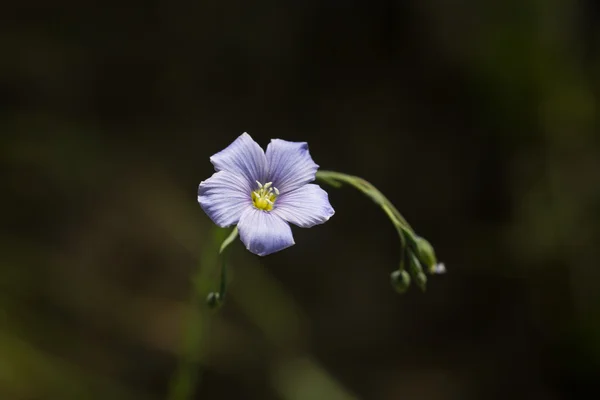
<point x="261" y="192"/>
<point x="439" y="268"/>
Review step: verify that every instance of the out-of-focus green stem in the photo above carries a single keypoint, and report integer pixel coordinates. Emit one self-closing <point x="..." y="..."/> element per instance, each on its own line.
<point x="195" y="331"/>
<point x="185" y="379"/>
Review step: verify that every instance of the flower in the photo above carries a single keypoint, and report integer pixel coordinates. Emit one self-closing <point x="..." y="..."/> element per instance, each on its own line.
<point x="262" y="192"/>
<point x="439" y="268"/>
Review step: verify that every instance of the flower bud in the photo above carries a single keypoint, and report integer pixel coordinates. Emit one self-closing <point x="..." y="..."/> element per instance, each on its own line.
<point x="400" y="280"/>
<point x="421" y="280"/>
<point x="213" y="300"/>
<point x="426" y="253"/>
<point x="417" y="271"/>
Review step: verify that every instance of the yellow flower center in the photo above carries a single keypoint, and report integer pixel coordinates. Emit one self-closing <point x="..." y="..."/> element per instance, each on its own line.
<point x="264" y="197"/>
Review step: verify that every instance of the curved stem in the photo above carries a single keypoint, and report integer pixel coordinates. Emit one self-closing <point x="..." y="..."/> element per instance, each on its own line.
<point x="405" y="232"/>
<point x="336" y="179"/>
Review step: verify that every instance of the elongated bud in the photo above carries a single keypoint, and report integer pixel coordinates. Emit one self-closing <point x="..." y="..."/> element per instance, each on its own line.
<point x="400" y="280"/>
<point x="421" y="280"/>
<point x="426" y="253"/>
<point x="416" y="270"/>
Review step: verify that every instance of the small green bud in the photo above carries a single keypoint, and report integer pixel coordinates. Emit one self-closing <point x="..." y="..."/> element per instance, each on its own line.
<point x="421" y="280"/>
<point x="213" y="300"/>
<point x="426" y="253"/>
<point x="400" y="280"/>
<point x="417" y="271"/>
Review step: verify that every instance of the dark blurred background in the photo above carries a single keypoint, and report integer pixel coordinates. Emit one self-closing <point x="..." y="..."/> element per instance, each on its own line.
<point x="478" y="119"/>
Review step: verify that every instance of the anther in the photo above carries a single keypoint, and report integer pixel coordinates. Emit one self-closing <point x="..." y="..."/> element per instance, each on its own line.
<point x="264" y="197"/>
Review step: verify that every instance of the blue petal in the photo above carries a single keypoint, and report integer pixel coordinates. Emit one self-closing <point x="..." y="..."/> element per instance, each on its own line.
<point x="305" y="207"/>
<point x="290" y="165"/>
<point x="224" y="197"/>
<point x="264" y="232"/>
<point x="243" y="157"/>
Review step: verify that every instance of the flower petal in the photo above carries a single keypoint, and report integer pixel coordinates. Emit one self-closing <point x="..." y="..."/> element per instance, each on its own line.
<point x="244" y="157"/>
<point x="264" y="232"/>
<point x="438" y="268"/>
<point x="289" y="165"/>
<point x="224" y="197"/>
<point x="305" y="207"/>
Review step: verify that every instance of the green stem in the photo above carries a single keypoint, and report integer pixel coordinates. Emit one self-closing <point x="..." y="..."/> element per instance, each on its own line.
<point x="405" y="232"/>
<point x="224" y="245"/>
<point x="215" y="299"/>
<point x="229" y="240"/>
<point x="188" y="372"/>
<point x="336" y="179"/>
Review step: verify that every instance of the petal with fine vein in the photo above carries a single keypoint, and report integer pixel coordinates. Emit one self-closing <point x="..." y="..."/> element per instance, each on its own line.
<point x="224" y="197"/>
<point x="289" y="164"/>
<point x="305" y="207"/>
<point x="263" y="232"/>
<point x="244" y="157"/>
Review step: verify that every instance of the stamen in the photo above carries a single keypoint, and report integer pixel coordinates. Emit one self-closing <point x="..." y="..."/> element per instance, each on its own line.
<point x="264" y="197"/>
